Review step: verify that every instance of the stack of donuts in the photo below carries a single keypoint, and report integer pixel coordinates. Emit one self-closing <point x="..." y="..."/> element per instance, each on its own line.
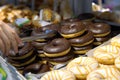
<point x="58" y="51"/>
<point x="25" y="56"/>
<point x="104" y="64"/>
<point x="101" y="31"/>
<point x="80" y="38"/>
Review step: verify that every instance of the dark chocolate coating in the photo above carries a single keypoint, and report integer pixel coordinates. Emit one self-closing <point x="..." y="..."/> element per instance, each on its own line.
<point x="100" y="28"/>
<point x="86" y="37"/>
<point x="22" y="51"/>
<point x="71" y="28"/>
<point x="36" y="68"/>
<point x="56" y="46"/>
<point x="64" y="58"/>
<point x="102" y="39"/>
<point x="90" y="46"/>
<point x="39" y="45"/>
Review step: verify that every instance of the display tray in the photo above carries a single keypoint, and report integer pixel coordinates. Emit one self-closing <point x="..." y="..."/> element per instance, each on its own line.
<point x="90" y="53"/>
<point x="12" y="73"/>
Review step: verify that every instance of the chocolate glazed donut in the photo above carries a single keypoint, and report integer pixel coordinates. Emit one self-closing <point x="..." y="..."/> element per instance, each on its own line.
<point x="83" y="40"/>
<point x="72" y="29"/>
<point x="100" y="29"/>
<point x="36" y="68"/>
<point x="57" y="47"/>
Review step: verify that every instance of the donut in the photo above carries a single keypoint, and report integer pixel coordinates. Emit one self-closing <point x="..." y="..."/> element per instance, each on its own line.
<point x="104" y="73"/>
<point x="36" y="68"/>
<point x="61" y="59"/>
<point x="100" y="40"/>
<point x="39" y="45"/>
<point x="117" y="62"/>
<point x="45" y="33"/>
<point x="41" y="53"/>
<point x="100" y="29"/>
<point x="83" y="40"/>
<point x="106" y="54"/>
<point x="82" y="66"/>
<point x="57" y="47"/>
<point x="71" y="30"/>
<point x="115" y="41"/>
<point x="24" y="57"/>
<point x="58" y="75"/>
<point x="83" y="49"/>
<point x="23" y="53"/>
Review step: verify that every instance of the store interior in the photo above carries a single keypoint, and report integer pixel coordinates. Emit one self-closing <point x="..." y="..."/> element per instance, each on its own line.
<point x="61" y="39"/>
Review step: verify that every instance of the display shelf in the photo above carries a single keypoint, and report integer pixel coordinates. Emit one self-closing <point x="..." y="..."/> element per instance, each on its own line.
<point x="12" y="73"/>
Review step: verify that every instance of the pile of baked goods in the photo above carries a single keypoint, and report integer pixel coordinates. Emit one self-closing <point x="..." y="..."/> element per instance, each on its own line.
<point x="103" y="64"/>
<point x="72" y="39"/>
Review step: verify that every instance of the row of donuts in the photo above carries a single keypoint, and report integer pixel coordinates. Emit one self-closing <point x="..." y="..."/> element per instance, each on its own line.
<point x="105" y="66"/>
<point x="53" y="50"/>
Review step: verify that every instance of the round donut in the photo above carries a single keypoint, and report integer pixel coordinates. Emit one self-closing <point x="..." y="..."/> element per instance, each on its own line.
<point x="82" y="66"/>
<point x="100" y="40"/>
<point x="117" y="62"/>
<point x="83" y="40"/>
<point x="104" y="73"/>
<point x="57" y="47"/>
<point x="73" y="29"/>
<point x="36" y="68"/>
<point x="100" y="29"/>
<point x="59" y="75"/>
<point x="42" y="32"/>
<point x="83" y="49"/>
<point x="115" y="41"/>
<point x="61" y="59"/>
<point x="106" y="54"/>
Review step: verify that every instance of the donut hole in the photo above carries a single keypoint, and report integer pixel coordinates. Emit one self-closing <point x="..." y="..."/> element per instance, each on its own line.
<point x="72" y="26"/>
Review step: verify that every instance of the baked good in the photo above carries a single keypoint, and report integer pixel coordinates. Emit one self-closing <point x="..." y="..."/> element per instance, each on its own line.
<point x="117" y="62"/>
<point x="24" y="57"/>
<point x="71" y="30"/>
<point x="82" y="49"/>
<point x="57" y="47"/>
<point x="36" y="68"/>
<point x="115" y="41"/>
<point x="59" y="75"/>
<point x="83" y="40"/>
<point x="60" y="60"/>
<point x="82" y="66"/>
<point x="100" y="29"/>
<point x="107" y="73"/>
<point x="100" y="40"/>
<point x="106" y="54"/>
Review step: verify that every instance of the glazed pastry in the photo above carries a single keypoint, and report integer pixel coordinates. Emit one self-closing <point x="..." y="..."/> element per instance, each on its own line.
<point x="36" y="68"/>
<point x="83" y="40"/>
<point x="57" y="47"/>
<point x="106" y="54"/>
<point x="82" y="66"/>
<point x="115" y="41"/>
<point x="106" y="73"/>
<point x="82" y="49"/>
<point x="71" y="30"/>
<point x="24" y="57"/>
<point x="100" y="29"/>
<point x="61" y="60"/>
<point x="59" y="75"/>
<point x="117" y="62"/>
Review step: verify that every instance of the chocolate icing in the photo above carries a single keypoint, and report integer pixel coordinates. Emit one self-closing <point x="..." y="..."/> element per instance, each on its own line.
<point x="86" y="37"/>
<point x="39" y="45"/>
<point x="90" y="46"/>
<point x="36" y="68"/>
<point x="64" y="58"/>
<point x="56" y="46"/>
<point x="73" y="27"/>
<point x="100" y="28"/>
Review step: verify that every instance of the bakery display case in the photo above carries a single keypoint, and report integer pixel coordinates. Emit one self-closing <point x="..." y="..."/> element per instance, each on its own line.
<point x="61" y="41"/>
